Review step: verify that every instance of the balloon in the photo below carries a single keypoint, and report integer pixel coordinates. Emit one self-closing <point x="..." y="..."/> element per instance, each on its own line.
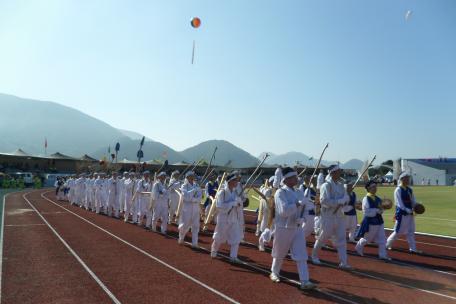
<point x="408" y="14"/>
<point x="195" y="22"/>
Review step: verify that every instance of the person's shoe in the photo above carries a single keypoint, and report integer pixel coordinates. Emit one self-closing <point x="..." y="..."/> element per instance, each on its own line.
<point x="307" y="285"/>
<point x="235" y="261"/>
<point x="315" y="260"/>
<point x="180" y="241"/>
<point x="344" y="266"/>
<point x="213" y="254"/>
<point x="257" y="233"/>
<point x="385" y="258"/>
<point x="415" y="251"/>
<point x="261" y="247"/>
<point x="359" y="250"/>
<point x="389" y="248"/>
<point x="275" y="278"/>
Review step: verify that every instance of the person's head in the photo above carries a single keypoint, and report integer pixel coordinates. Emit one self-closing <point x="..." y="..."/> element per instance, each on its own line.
<point x="271" y="181"/>
<point x="190" y="176"/>
<point x="404" y="178"/>
<point x="335" y="172"/>
<point x="371" y="187"/>
<point x="131" y="175"/>
<point x="307" y="179"/>
<point x="232" y="180"/>
<point x="146" y="174"/>
<point x="161" y="176"/>
<point x="290" y="177"/>
<point x="114" y="174"/>
<point x="175" y="174"/>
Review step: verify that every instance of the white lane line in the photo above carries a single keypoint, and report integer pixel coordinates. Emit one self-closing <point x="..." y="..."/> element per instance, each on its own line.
<point x="148" y="254"/>
<point x="281" y="276"/>
<point x="24" y="225"/>
<point x="436" y="219"/>
<point x="84" y="265"/>
<point x="1" y="244"/>
<point x="386" y="280"/>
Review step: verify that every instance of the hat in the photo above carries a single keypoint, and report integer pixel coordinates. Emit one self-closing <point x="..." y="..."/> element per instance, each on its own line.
<point x="175" y="172"/>
<point x="404" y="174"/>
<point x="190" y="173"/>
<point x="271" y="179"/>
<point x="288" y="172"/>
<point x="333" y="168"/>
<point x="131" y="173"/>
<point x="232" y="176"/>
<point x="161" y="174"/>
<point x="146" y="172"/>
<point x="369" y="184"/>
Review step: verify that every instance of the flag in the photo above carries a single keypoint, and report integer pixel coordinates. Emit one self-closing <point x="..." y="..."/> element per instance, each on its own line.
<point x="45" y="143"/>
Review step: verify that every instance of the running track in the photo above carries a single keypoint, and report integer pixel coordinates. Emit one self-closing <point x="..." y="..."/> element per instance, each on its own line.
<point x="57" y="253"/>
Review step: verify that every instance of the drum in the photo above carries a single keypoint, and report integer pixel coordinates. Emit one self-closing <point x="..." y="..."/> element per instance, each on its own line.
<point x="387" y="204"/>
<point x="419" y="208"/>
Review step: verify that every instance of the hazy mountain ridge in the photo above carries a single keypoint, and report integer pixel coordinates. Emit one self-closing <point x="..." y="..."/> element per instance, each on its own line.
<point x="25" y="123"/>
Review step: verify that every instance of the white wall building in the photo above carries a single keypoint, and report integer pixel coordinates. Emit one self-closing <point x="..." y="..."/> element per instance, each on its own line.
<point x="431" y="171"/>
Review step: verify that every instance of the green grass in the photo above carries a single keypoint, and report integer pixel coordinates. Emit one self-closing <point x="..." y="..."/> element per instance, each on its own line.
<point x="440" y="203"/>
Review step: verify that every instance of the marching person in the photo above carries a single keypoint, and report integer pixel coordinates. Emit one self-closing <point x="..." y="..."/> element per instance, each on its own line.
<point x="264" y="215"/>
<point x="267" y="219"/>
<point x="289" y="235"/>
<point x="159" y="200"/>
<point x="98" y="186"/>
<point x="173" y="186"/>
<point x="332" y="222"/>
<point x="372" y="223"/>
<point x="405" y="221"/>
<point x="230" y="218"/>
<point x="351" y="219"/>
<point x="143" y="199"/>
<point x="122" y="191"/>
<point x="210" y="192"/>
<point x="114" y="190"/>
<point x="309" y="212"/>
<point x="190" y="213"/>
<point x="320" y="179"/>
<point x="129" y="189"/>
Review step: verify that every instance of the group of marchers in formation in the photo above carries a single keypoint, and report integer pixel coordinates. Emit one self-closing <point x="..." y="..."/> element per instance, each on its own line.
<point x="290" y="209"/>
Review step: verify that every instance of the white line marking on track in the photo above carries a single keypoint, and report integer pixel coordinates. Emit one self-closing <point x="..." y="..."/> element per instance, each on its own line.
<point x="283" y="277"/>
<point x="1" y="244"/>
<point x="229" y="299"/>
<point x="84" y="265"/>
<point x="389" y="281"/>
<point x="24" y="225"/>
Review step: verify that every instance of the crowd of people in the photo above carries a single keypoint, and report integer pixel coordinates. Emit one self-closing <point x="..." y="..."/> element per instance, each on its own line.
<point x="292" y="210"/>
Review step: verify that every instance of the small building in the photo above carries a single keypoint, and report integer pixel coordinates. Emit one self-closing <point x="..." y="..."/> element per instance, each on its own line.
<point x="431" y="171"/>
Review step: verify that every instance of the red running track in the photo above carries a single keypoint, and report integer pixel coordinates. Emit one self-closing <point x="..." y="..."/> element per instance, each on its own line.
<point x="137" y="266"/>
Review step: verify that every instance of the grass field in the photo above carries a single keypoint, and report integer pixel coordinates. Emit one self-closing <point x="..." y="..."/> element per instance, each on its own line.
<point x="440" y="203"/>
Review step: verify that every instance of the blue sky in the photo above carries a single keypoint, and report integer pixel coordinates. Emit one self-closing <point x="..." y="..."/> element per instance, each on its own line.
<point x="268" y="75"/>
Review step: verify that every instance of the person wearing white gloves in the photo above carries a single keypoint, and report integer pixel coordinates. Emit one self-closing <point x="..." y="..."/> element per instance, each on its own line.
<point x="230" y="218"/>
<point x="289" y="232"/>
<point x="332" y="198"/>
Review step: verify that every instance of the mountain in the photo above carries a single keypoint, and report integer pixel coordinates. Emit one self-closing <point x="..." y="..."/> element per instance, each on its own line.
<point x="25" y="123"/>
<point x="261" y="156"/>
<point x="133" y="135"/>
<point x="152" y="150"/>
<point x="353" y="164"/>
<point x="290" y="159"/>
<point x="227" y="154"/>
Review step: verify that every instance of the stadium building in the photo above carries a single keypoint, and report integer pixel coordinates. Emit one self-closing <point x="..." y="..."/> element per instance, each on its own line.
<point x="431" y="171"/>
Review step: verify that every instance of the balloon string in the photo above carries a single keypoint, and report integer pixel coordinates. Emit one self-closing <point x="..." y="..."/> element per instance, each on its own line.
<point x="193" y="51"/>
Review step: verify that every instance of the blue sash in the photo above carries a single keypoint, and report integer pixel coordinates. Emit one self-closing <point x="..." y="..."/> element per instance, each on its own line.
<point x="352" y="203"/>
<point x="406" y="196"/>
<point x="376" y="220"/>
